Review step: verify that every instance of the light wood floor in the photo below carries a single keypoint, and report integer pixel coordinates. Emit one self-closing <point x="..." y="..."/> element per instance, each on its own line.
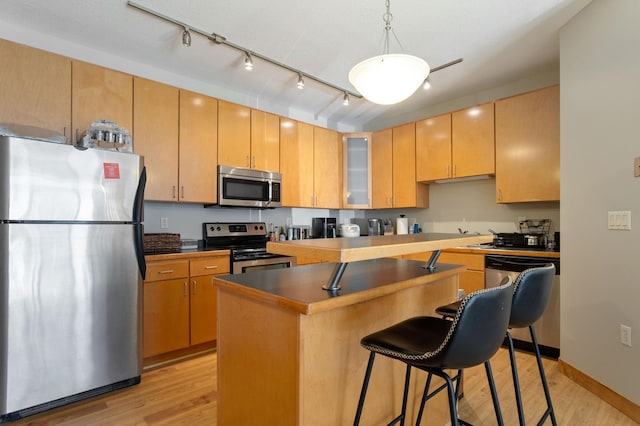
<point x="185" y="394"/>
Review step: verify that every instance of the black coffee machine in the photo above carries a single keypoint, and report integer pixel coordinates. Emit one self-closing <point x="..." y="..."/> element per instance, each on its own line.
<point x="323" y="227"/>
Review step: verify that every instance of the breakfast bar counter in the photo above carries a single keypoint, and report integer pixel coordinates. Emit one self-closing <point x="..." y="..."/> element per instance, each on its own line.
<point x="289" y="352"/>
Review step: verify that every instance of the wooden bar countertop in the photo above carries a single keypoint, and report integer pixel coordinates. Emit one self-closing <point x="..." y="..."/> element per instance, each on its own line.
<point x="345" y="250"/>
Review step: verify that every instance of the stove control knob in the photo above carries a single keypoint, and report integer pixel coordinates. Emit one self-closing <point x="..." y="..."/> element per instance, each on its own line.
<point x="218" y="228"/>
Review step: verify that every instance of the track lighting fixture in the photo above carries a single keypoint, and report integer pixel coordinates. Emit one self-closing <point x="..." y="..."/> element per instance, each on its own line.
<point x="217" y="39"/>
<point x="248" y="62"/>
<point x="427" y="84"/>
<point x="186" y="37"/>
<point x="345" y="99"/>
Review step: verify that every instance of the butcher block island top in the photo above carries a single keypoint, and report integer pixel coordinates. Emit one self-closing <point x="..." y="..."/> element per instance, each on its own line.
<point x="345" y="250"/>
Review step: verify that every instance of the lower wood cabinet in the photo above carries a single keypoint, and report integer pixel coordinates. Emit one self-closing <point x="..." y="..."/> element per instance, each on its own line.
<point x="180" y="305"/>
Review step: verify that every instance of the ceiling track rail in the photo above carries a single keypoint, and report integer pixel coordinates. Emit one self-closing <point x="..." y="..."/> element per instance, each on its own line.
<point x="219" y="39"/>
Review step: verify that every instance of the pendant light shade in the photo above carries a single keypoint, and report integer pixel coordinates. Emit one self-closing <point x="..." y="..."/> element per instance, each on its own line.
<point x="389" y="79"/>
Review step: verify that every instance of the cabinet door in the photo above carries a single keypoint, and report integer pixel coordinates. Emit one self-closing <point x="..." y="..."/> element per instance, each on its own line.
<point x="35" y="87"/>
<point x="198" y="148"/>
<point x="528" y="123"/>
<point x="265" y="141"/>
<point x="296" y="163"/>
<point x="234" y="134"/>
<point x="327" y="168"/>
<point x="100" y="94"/>
<point x="382" y="169"/>
<point x="404" y="166"/>
<point x="203" y="310"/>
<point x="433" y="148"/>
<point x="356" y="170"/>
<point x="155" y="124"/>
<point x="473" y="141"/>
<point x="166" y="316"/>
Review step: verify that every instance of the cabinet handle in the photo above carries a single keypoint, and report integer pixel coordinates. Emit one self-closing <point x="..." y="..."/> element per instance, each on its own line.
<point x="182" y="191"/>
<point x="174" y="192"/>
<point x="64" y="130"/>
<point x="186" y="289"/>
<point x="211" y="267"/>
<point x="254" y="161"/>
<point x="248" y="162"/>
<point x="455" y="170"/>
<point x="166" y="271"/>
<point x="195" y="286"/>
<point x="448" y="170"/>
<point x="499" y="194"/>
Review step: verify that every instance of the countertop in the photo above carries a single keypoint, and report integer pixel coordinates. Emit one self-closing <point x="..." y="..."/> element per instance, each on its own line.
<point x="300" y="289"/>
<point x="506" y="251"/>
<point x="344" y="250"/>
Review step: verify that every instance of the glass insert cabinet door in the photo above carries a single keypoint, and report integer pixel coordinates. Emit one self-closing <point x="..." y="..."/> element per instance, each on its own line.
<point x="357" y="170"/>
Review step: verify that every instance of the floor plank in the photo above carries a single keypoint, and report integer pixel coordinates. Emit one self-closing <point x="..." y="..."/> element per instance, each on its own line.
<point x="185" y="394"/>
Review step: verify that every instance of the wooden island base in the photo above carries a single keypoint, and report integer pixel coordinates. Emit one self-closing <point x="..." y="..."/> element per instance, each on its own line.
<point x="290" y="354"/>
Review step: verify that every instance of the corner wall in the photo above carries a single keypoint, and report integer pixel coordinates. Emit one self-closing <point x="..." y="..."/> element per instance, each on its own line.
<point x="599" y="116"/>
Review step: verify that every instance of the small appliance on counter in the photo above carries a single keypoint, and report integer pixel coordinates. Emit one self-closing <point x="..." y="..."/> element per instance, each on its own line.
<point x="363" y="224"/>
<point x="534" y="233"/>
<point x="349" y="230"/>
<point x="376" y="227"/>
<point x="323" y="227"/>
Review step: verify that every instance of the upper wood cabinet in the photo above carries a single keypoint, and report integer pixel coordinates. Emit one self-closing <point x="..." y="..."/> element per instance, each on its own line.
<point x="456" y="145"/>
<point x="35" y="87"/>
<point x="311" y="166"/>
<point x="356" y="175"/>
<point x="155" y="126"/>
<point x="433" y="148"/>
<point x="528" y="147"/>
<point x="198" y="148"/>
<point x="100" y="94"/>
<point x="327" y="168"/>
<point x="382" y="175"/>
<point x="296" y="163"/>
<point x="473" y="141"/>
<point x="393" y="156"/>
<point x="234" y="134"/>
<point x="406" y="192"/>
<point x="265" y="141"/>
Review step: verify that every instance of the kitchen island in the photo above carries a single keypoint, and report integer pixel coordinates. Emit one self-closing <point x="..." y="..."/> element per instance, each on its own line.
<point x="289" y="352"/>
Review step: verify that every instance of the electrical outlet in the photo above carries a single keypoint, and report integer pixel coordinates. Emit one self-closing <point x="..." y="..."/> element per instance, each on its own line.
<point x="625" y="335"/>
<point x="164" y="223"/>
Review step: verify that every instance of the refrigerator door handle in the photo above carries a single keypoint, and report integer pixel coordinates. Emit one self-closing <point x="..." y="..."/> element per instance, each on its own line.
<point x="137" y="219"/>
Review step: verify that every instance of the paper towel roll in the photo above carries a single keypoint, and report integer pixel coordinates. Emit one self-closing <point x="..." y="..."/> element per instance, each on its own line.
<point x="402" y="225"/>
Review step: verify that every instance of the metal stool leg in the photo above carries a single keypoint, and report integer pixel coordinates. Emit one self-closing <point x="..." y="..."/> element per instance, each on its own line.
<point x="549" y="411"/>
<point x="365" y="384"/>
<point x="516" y="382"/>
<point x="494" y="394"/>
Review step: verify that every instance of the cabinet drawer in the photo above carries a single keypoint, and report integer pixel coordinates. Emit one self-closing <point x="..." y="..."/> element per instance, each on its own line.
<point x="472" y="261"/>
<point x="168" y="270"/>
<point x="209" y="266"/>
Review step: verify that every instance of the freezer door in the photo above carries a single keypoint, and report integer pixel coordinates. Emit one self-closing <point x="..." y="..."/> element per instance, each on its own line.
<point x="43" y="181"/>
<point x="71" y="317"/>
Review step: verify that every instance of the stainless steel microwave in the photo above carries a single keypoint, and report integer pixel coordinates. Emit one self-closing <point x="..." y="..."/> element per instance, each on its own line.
<point x="248" y="187"/>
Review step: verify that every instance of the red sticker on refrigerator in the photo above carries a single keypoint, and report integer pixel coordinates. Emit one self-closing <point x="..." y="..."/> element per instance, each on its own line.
<point x="111" y="170"/>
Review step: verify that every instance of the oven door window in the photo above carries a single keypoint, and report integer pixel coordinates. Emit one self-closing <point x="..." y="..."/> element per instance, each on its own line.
<point x="245" y="189"/>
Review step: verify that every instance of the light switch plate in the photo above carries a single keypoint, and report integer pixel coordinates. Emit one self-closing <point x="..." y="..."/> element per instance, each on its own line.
<point x="619" y="220"/>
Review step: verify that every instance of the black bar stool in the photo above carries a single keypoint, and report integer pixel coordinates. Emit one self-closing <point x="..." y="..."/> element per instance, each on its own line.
<point x="435" y="344"/>
<point x="531" y="293"/>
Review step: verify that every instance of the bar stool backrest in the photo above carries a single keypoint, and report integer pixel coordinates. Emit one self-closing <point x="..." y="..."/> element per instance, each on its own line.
<point x="478" y="329"/>
<point x="531" y="294"/>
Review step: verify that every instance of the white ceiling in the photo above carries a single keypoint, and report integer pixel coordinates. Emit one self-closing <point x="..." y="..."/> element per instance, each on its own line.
<point x="500" y="41"/>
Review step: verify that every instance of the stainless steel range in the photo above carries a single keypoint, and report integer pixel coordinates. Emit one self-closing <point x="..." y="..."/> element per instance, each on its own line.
<point x="248" y="244"/>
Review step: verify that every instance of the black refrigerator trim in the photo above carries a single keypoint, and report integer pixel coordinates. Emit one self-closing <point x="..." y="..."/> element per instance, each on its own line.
<point x="138" y="204"/>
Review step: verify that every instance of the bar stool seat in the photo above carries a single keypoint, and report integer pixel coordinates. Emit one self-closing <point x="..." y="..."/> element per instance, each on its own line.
<point x="531" y="294"/>
<point x="435" y="344"/>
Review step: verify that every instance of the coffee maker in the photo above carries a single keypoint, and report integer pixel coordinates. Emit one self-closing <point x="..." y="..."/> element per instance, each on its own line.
<point x="323" y="227"/>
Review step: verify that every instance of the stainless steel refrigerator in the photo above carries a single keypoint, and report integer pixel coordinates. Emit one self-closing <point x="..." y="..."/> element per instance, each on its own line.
<point x="71" y="265"/>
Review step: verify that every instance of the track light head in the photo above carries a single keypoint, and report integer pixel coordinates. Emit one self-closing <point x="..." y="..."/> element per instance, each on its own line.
<point x="248" y="61"/>
<point x="345" y="99"/>
<point x="186" y="37"/>
<point x="427" y="84"/>
<point x="300" y="83"/>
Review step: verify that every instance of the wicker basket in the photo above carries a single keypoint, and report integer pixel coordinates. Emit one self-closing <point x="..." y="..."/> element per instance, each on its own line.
<point x="161" y="243"/>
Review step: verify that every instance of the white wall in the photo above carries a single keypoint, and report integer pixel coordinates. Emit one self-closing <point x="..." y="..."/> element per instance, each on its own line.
<point x="599" y="95"/>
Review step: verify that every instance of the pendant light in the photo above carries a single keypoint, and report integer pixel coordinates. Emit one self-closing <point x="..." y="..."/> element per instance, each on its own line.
<point x="389" y="78"/>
